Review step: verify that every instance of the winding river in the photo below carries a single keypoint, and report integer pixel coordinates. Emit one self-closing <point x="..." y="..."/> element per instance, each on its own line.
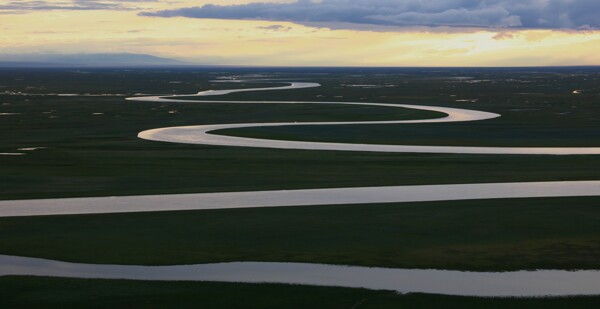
<point x="201" y="134"/>
<point x="506" y="284"/>
<point x="289" y="198"/>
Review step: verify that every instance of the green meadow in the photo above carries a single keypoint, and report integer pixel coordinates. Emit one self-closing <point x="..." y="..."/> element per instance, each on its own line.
<point x="91" y="149"/>
<point x="29" y="292"/>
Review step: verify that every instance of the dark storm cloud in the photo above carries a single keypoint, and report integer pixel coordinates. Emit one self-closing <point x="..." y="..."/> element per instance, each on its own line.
<point x="545" y="14"/>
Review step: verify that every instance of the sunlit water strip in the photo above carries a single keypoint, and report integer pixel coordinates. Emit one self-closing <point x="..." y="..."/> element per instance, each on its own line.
<point x="287" y="198"/>
<point x="201" y="134"/>
<point x="486" y="284"/>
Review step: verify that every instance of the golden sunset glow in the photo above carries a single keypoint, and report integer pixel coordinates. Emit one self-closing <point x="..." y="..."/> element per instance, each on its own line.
<point x="243" y="42"/>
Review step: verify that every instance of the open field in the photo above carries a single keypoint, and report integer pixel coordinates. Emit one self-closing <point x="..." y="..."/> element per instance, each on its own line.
<point x="27" y="292"/>
<point x="87" y="132"/>
<point x="486" y="235"/>
<point x="99" y="155"/>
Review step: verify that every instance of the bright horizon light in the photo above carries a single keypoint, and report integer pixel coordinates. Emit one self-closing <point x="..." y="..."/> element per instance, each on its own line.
<point x="121" y="28"/>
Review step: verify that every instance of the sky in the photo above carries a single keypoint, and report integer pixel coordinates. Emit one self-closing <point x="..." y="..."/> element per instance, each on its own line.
<point x="312" y="32"/>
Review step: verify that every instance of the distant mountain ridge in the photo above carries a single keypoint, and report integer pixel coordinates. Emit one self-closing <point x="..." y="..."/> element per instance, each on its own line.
<point x="85" y="60"/>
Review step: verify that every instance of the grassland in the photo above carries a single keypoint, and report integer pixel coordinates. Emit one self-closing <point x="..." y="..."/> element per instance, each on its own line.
<point x="100" y="155"/>
<point x="537" y="108"/>
<point x="91" y="154"/>
<point x="487" y="235"/>
<point x="23" y="292"/>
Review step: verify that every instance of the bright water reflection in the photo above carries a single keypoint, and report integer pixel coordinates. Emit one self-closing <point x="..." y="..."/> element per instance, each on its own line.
<point x="508" y="284"/>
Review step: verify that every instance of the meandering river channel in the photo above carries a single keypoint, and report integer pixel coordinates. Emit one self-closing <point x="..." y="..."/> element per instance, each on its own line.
<point x="505" y="284"/>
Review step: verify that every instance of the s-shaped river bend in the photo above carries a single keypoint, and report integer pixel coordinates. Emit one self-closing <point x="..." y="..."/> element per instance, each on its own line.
<point x="201" y="134"/>
<point x="507" y="284"/>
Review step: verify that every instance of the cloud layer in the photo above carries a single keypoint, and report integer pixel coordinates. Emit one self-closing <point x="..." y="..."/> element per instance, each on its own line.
<point x="542" y="14"/>
<point x="83" y="5"/>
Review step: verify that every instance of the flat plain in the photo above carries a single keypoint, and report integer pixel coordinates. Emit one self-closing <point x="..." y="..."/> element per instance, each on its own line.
<point x="78" y="137"/>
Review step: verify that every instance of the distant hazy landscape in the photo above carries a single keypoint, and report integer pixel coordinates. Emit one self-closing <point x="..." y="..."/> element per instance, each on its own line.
<point x="84" y="60"/>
